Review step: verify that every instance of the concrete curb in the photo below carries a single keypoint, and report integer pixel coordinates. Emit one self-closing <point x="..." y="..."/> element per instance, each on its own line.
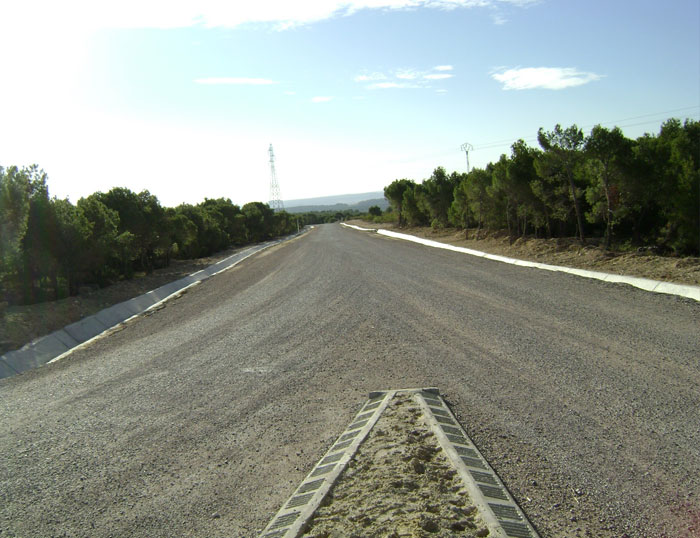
<point x="494" y="502"/>
<point x="61" y="343"/>
<point x="291" y="520"/>
<point x="496" y="506"/>
<point x="656" y="286"/>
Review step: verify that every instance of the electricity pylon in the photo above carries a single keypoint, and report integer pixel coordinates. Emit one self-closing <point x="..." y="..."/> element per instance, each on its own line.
<point x="275" y="198"/>
<point x="466" y="148"/>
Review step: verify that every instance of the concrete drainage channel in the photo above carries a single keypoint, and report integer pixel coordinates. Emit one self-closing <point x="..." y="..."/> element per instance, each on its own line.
<point x="496" y="509"/>
<point x="59" y="344"/>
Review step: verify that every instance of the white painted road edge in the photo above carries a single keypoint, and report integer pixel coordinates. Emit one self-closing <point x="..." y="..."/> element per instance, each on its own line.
<point x="657" y="286"/>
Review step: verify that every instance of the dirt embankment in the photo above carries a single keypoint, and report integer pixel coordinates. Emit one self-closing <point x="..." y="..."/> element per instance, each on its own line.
<point x="564" y="251"/>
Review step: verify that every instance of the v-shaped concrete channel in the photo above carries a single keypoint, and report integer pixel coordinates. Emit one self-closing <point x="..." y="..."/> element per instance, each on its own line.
<point x="496" y="506"/>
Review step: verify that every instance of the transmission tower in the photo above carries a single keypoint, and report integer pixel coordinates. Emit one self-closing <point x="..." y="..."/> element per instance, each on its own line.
<point x="466" y="148"/>
<point x="275" y="198"/>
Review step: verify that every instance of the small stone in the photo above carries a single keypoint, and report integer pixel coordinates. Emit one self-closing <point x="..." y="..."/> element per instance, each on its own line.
<point x="424" y="453"/>
<point x="418" y="467"/>
<point x="410" y="485"/>
<point x="430" y="525"/>
<point x="449" y="474"/>
<point x="459" y="526"/>
<point x="469" y="510"/>
<point x="216" y="515"/>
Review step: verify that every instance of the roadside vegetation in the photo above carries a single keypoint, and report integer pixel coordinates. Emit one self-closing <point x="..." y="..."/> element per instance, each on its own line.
<point x="51" y="248"/>
<point x="602" y="187"/>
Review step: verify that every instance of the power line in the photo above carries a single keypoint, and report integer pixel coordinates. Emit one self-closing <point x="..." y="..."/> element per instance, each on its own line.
<point x="509" y="142"/>
<point x="649" y="115"/>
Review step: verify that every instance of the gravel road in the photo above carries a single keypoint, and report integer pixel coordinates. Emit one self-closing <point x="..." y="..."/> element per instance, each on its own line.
<point x="201" y="418"/>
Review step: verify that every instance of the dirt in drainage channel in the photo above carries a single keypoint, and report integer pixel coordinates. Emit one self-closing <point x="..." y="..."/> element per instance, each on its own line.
<point x="399" y="484"/>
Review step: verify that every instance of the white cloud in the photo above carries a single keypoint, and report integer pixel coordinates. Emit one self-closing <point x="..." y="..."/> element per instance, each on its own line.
<point x="240" y="81"/>
<point x="407" y="75"/>
<point x="549" y="78"/>
<point x="386" y="85"/>
<point x="321" y="99"/>
<point x="406" y="78"/>
<point x="282" y="14"/>
<point x="437" y="76"/>
<point x="370" y="77"/>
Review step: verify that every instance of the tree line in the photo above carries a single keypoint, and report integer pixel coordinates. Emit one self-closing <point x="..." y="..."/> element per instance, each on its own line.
<point x="50" y="248"/>
<point x="605" y="185"/>
<point x="327" y="216"/>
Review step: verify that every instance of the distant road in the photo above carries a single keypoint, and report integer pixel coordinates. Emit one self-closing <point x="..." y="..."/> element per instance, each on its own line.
<point x="202" y="417"/>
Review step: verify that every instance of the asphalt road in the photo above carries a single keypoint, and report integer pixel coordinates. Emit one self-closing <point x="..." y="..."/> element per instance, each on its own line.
<point x="201" y="418"/>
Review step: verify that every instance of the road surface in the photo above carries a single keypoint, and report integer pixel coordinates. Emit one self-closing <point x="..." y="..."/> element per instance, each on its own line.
<point x="201" y="418"/>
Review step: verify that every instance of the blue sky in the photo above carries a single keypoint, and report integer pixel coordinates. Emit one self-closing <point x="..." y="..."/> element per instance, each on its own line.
<point x="184" y="98"/>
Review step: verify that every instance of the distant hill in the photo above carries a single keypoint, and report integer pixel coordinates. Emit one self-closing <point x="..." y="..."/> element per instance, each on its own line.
<point x="360" y="202"/>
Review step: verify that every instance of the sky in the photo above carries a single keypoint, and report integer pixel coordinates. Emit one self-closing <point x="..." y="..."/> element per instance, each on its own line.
<point x="183" y="98"/>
